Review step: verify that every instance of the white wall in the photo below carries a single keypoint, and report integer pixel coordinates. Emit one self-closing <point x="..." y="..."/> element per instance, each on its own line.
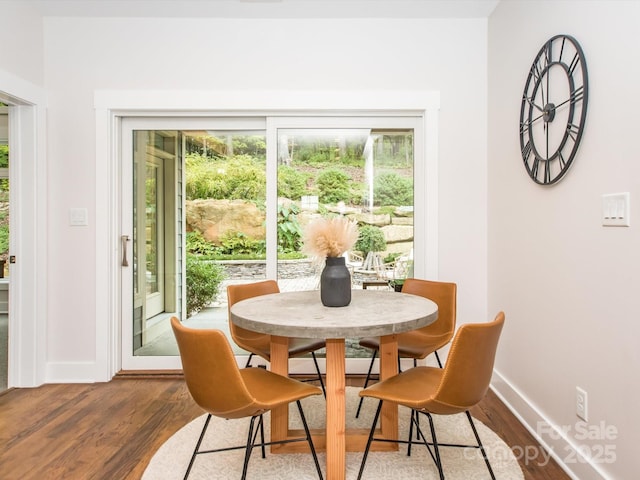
<point x="21" y="42"/>
<point x="569" y="287"/>
<point x="83" y="55"/>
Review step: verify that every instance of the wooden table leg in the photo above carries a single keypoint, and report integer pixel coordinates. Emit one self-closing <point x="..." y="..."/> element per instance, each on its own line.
<point x="388" y="368"/>
<point x="335" y="385"/>
<point x="280" y="365"/>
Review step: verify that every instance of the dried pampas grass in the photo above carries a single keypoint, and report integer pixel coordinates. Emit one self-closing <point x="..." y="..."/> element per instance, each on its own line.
<point x="329" y="237"/>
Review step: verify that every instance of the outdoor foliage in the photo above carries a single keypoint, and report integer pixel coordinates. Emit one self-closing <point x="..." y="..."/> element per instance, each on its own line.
<point x="392" y="189"/>
<point x="289" y="231"/>
<point x="234" y="243"/>
<point x="291" y="183"/>
<point x="333" y="186"/>
<point x="233" y="167"/>
<point x="203" y="283"/>
<point x="220" y="147"/>
<point x="370" y="239"/>
<point x="197" y="245"/>
<point x="239" y="178"/>
<point x="4" y="156"/>
<point x="321" y="152"/>
<point x="4" y="239"/>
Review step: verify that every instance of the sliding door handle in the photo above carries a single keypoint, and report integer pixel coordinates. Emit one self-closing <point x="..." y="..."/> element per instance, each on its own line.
<point x="124" y="239"/>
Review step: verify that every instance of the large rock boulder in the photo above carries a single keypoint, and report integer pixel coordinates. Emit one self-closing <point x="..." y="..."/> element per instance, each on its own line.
<point x="215" y="218"/>
<point x="398" y="233"/>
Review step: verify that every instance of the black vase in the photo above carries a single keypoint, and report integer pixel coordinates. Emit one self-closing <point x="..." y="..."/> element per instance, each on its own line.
<point x="335" y="283"/>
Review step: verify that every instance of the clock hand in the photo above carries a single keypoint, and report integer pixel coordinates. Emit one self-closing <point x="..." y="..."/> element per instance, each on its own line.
<point x="533" y="120"/>
<point x="574" y="97"/>
<point x="533" y="104"/>
<point x="547" y="134"/>
<point x="570" y="99"/>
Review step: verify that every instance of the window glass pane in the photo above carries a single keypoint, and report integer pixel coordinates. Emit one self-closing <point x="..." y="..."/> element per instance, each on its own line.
<point x="151" y="229"/>
<point x="363" y="174"/>
<point x="225" y="214"/>
<point x="4" y="226"/>
<point x="225" y="193"/>
<point x="4" y="191"/>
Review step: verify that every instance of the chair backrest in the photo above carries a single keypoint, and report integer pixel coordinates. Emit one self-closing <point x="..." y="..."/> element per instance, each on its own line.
<point x="211" y="372"/>
<point x="235" y="293"/>
<point x="444" y="295"/>
<point x="469" y="366"/>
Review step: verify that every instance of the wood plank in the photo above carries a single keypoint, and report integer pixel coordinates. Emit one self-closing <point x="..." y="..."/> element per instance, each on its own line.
<point x="280" y="415"/>
<point x="389" y="368"/>
<point x="336" y="428"/>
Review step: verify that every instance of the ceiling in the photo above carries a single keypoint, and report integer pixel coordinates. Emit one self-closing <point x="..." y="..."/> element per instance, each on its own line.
<point x="266" y="8"/>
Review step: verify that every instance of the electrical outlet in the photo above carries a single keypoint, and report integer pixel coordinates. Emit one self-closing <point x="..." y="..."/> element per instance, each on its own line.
<point x="581" y="403"/>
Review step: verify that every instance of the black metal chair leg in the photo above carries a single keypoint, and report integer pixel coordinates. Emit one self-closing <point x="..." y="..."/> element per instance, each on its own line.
<point x="249" y="449"/>
<point x="435" y="446"/>
<point x="315" y="361"/>
<point x="438" y="359"/>
<point x="366" y="381"/>
<point x="484" y="454"/>
<point x="248" y="364"/>
<point x="410" y="442"/>
<point x="261" y="425"/>
<point x="308" y="433"/>
<point x="369" y="440"/>
<point x="195" y="450"/>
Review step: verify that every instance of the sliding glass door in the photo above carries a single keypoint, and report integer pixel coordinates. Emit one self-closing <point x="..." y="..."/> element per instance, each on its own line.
<point x="208" y="202"/>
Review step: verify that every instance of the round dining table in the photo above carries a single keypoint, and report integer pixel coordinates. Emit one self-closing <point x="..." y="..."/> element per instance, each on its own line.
<point x="301" y="314"/>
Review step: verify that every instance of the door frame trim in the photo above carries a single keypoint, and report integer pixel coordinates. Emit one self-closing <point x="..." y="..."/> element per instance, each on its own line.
<point x="28" y="231"/>
<point x="112" y="105"/>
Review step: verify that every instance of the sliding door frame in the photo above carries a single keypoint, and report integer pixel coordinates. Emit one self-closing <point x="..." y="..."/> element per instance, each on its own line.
<point x="191" y="107"/>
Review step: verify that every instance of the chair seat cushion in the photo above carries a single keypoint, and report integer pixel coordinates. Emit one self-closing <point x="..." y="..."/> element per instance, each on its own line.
<point x="271" y="390"/>
<point x="302" y="346"/>
<point x="413" y="344"/>
<point x="297" y="347"/>
<point x="414" y="388"/>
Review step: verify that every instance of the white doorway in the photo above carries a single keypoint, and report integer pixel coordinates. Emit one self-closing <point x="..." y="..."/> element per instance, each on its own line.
<point x="27" y="268"/>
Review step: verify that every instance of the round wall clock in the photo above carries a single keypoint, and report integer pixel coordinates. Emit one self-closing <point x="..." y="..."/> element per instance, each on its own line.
<point x="554" y="109"/>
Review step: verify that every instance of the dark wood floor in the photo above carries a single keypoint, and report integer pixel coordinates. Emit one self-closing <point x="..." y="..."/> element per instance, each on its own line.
<point x="111" y="430"/>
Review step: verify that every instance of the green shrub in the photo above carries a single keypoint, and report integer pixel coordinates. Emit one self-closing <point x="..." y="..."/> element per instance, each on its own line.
<point x="289" y="230"/>
<point x="291" y="183"/>
<point x="4" y="156"/>
<point x="370" y="239"/>
<point x="197" y="245"/>
<point x="246" y="179"/>
<point x="239" y="178"/>
<point x="203" y="283"/>
<point x="392" y="189"/>
<point x="4" y="239"/>
<point x="236" y="243"/>
<point x="333" y="186"/>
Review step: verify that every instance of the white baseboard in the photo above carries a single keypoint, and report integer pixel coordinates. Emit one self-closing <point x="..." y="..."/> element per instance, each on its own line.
<point x="554" y="442"/>
<point x="70" y="372"/>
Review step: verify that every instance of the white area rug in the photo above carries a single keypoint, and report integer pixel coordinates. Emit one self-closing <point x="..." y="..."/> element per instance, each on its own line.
<point x="171" y="460"/>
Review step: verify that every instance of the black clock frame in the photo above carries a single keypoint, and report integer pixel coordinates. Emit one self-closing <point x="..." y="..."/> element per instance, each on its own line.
<point x="531" y="113"/>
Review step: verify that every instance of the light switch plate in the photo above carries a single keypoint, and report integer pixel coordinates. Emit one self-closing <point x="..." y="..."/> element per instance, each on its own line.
<point x="78" y="217"/>
<point x="615" y="210"/>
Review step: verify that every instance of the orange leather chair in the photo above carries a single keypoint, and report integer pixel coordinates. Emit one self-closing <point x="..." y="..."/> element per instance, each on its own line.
<point x="260" y="343"/>
<point x="420" y="343"/>
<point x="457" y="387"/>
<point x="220" y="388"/>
